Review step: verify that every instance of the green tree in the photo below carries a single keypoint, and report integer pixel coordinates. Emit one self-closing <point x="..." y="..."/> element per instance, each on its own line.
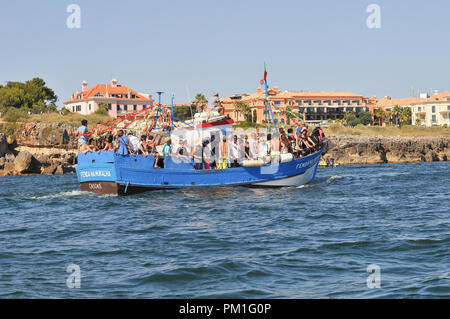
<point x="199" y="102"/>
<point x="244" y="109"/>
<point x="406" y="115"/>
<point x="102" y="109"/>
<point x="183" y="112"/>
<point x="380" y="114"/>
<point x="351" y="119"/>
<point x="32" y="94"/>
<point x="365" y="118"/>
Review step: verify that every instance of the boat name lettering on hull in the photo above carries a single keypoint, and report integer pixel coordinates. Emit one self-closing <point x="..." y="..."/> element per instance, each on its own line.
<point x="93" y="186"/>
<point x="95" y="174"/>
<point x="307" y="164"/>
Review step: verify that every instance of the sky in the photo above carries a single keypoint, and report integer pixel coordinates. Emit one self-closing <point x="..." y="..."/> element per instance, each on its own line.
<point x="189" y="47"/>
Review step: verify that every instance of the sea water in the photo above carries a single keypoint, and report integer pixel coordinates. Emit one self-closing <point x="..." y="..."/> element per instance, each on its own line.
<point x="363" y="231"/>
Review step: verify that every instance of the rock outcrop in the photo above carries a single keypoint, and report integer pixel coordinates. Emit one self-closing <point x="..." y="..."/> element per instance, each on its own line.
<point x="3" y="145"/>
<point x="38" y="148"/>
<point x="23" y="162"/>
<point x="362" y="149"/>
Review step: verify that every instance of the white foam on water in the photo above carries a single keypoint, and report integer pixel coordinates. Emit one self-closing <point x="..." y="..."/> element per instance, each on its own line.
<point x="61" y="194"/>
<point x="333" y="178"/>
<point x="445" y="276"/>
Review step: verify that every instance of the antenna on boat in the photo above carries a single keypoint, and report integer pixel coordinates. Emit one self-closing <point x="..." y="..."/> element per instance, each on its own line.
<point x="171" y="115"/>
<point x="266" y="101"/>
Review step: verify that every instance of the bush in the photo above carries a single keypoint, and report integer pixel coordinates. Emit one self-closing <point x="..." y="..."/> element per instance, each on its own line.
<point x="365" y="118"/>
<point x="352" y="120"/>
<point x="102" y="109"/>
<point x="15" y="115"/>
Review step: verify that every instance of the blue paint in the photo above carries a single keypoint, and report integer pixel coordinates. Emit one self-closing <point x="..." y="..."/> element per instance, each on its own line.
<point x="138" y="170"/>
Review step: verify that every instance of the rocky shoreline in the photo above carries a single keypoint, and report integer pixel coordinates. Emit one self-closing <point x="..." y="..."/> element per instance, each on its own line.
<point x="40" y="148"/>
<point x="363" y="149"/>
<point x="37" y="148"/>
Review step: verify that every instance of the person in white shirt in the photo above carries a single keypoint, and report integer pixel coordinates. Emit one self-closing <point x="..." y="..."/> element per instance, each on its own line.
<point x="213" y="103"/>
<point x="234" y="152"/>
<point x="253" y="144"/>
<point x="135" y="144"/>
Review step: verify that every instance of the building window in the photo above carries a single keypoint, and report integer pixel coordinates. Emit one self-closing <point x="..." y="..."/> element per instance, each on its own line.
<point x="299" y="102"/>
<point x="318" y="102"/>
<point x="135" y="107"/>
<point x="73" y="108"/>
<point x="118" y="107"/>
<point x="433" y="118"/>
<point x="307" y="102"/>
<point x="356" y="102"/>
<point x="419" y="109"/>
<point x="433" y="109"/>
<point x="109" y="106"/>
<point x="448" y="107"/>
<point x="276" y="102"/>
<point x="125" y="107"/>
<point x="98" y="94"/>
<point x="89" y="107"/>
<point x="133" y="96"/>
<point x="338" y="102"/>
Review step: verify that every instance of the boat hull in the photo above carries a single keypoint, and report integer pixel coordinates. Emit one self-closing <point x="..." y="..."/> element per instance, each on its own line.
<point x="107" y="173"/>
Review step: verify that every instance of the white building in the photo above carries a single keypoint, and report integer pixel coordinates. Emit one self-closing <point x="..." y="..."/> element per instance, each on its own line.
<point x="120" y="99"/>
<point x="434" y="111"/>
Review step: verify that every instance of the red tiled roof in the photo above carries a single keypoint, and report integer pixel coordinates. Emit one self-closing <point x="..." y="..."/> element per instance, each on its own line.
<point x="101" y="88"/>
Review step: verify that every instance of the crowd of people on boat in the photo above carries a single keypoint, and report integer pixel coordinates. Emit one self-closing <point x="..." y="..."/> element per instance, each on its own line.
<point x="213" y="152"/>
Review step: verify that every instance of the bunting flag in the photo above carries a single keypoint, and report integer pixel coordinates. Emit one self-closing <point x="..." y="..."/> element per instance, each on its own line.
<point x="265" y="75"/>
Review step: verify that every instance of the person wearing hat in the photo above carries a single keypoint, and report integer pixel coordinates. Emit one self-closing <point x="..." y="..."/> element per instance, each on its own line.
<point x="213" y="103"/>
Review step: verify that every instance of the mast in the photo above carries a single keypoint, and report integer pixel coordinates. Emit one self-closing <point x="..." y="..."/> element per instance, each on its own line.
<point x="171" y="116"/>
<point x="266" y="101"/>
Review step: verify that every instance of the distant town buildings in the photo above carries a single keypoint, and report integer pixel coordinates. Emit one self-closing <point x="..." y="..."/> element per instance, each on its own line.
<point x="315" y="106"/>
<point x="431" y="111"/>
<point x="119" y="99"/>
<point x="322" y="106"/>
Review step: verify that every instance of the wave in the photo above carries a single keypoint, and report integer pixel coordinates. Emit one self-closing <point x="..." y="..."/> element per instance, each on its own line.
<point x="333" y="178"/>
<point x="69" y="194"/>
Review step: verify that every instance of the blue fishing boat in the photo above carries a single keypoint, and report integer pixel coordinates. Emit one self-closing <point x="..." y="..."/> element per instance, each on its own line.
<point x="108" y="173"/>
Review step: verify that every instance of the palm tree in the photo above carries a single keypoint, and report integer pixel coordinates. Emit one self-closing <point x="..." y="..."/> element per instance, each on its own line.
<point x="396" y="111"/>
<point x="242" y="108"/>
<point x="200" y="100"/>
<point x="406" y="115"/>
<point x="389" y="116"/>
<point x="380" y="114"/>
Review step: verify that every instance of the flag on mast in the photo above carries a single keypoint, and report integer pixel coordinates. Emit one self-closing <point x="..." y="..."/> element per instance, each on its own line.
<point x="265" y="74"/>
